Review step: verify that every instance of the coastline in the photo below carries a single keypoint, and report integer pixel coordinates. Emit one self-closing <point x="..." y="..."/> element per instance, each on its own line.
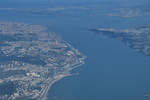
<point x="44" y="97"/>
<point x="58" y="77"/>
<point x="67" y="72"/>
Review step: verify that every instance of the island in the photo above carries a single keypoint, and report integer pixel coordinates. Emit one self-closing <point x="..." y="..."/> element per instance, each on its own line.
<point x="32" y="60"/>
<point x="129" y="12"/>
<point x="50" y="10"/>
<point x="135" y="38"/>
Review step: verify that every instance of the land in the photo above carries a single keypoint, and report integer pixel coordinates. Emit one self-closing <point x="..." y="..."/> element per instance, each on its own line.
<point x="136" y="38"/>
<point x="124" y="12"/>
<point x="128" y="12"/>
<point x="32" y="60"/>
<point x="50" y="11"/>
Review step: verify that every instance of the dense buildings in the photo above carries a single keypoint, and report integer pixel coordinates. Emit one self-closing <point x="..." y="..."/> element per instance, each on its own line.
<point x="31" y="60"/>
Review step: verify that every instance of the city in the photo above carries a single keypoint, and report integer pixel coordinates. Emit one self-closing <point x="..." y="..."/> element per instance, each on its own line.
<point x="31" y="60"/>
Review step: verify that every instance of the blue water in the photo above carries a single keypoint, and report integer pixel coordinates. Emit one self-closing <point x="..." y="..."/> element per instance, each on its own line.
<point x="112" y="70"/>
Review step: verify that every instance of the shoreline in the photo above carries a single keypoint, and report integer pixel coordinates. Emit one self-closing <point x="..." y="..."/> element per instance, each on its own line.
<point x="59" y="77"/>
<point x="65" y="73"/>
<point x="44" y="97"/>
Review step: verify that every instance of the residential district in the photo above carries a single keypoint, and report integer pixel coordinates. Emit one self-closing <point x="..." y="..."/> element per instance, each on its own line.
<point x="31" y="60"/>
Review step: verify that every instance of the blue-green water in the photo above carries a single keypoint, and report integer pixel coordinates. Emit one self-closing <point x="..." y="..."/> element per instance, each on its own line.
<point x="112" y="70"/>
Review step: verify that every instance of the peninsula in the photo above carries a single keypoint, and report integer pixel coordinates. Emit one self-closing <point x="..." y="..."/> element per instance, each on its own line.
<point x="31" y="60"/>
<point x="136" y="38"/>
